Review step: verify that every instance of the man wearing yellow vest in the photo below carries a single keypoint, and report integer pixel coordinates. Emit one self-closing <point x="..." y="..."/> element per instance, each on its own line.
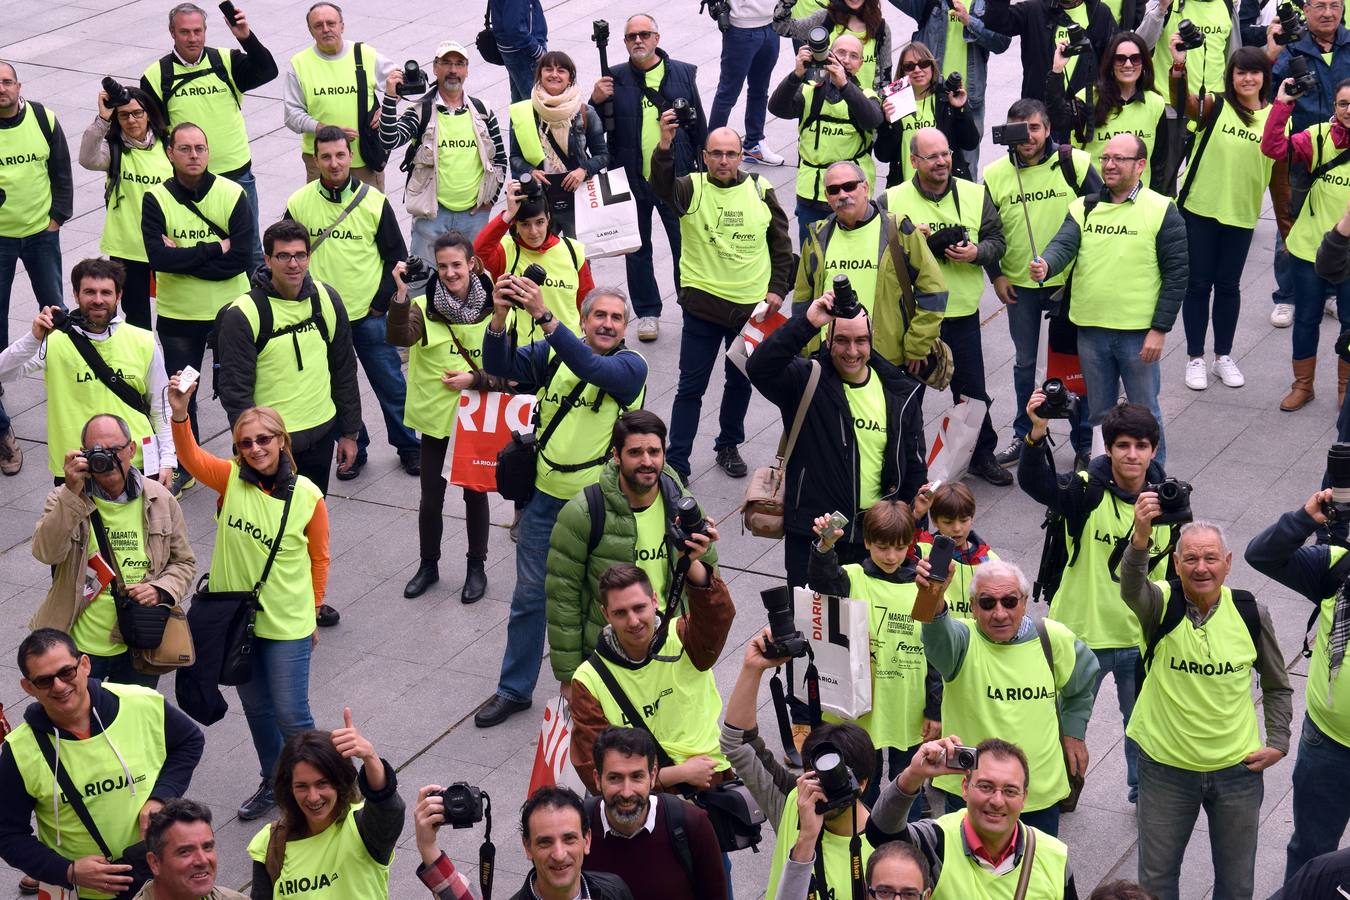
<point x="333" y="84"/>
<point x="287" y="344"/>
<point x="965" y="234"/>
<point x="1127" y="246"/>
<point x="123" y="752"/>
<point x="355" y="242"/>
<point x="1195" y="722"/>
<point x="583" y="386"/>
<point x="1005" y="675"/>
<point x="181" y="850"/>
<point x="36" y="196"/>
<point x="201" y="84"/>
<point x="127" y="378"/>
<point x="1322" y="767"/>
<point x="197" y="230"/>
<point x="736" y="253"/>
<point x="981" y="852"/>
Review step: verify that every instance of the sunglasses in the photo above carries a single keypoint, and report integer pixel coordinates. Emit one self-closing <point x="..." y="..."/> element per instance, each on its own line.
<point x="45" y="682"/>
<point x="843" y="187"/>
<point x="633" y="37"/>
<point x="262" y="440"/>
<point x="1129" y="59"/>
<point x="1008" y="601"/>
<point x="911" y="65"/>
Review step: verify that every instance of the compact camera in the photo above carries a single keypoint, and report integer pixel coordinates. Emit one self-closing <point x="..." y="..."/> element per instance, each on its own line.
<point x="1011" y="134"/>
<point x="1078" y="40"/>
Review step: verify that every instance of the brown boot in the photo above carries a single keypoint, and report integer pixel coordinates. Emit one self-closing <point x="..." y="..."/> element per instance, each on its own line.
<point x="1301" y="392"/>
<point x="11" y="454"/>
<point x="1342" y="379"/>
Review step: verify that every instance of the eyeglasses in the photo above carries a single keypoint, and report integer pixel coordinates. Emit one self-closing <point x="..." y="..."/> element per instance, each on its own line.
<point x="1118" y="160"/>
<point x="262" y="440"/>
<point x="185" y="150"/>
<point x="1343" y="104"/>
<point x="911" y="65"/>
<point x="843" y="187"/>
<point x="885" y="893"/>
<point x="934" y="157"/>
<point x="723" y="154"/>
<point x="1008" y="601"/>
<point x="131" y="115"/>
<point x="1315" y="7"/>
<point x="45" y="682"/>
<point x="633" y="37"/>
<point x="8" y="83"/>
<point x="299" y="256"/>
<point x="989" y="789"/>
<point x="1129" y="59"/>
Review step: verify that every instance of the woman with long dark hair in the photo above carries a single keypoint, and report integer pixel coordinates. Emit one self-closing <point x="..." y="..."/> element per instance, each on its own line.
<point x="935" y="107"/>
<point x="1220" y="199"/>
<point x="127" y="143"/>
<point x="861" y="18"/>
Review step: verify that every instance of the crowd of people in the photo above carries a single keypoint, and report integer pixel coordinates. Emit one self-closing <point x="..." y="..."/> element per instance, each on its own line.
<point x="1137" y="159"/>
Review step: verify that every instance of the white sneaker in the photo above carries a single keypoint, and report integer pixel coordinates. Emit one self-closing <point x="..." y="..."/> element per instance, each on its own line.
<point x="1197" y="379"/>
<point x="1329" y="308"/>
<point x="1282" y="316"/>
<point x="760" y="153"/>
<point x="649" y="328"/>
<point x="1227" y="372"/>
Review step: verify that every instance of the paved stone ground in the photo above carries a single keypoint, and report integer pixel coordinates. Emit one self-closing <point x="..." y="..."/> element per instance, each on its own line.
<point x="414" y="671"/>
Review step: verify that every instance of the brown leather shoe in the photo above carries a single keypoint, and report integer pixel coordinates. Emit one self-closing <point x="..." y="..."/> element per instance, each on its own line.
<point x="1301" y="391"/>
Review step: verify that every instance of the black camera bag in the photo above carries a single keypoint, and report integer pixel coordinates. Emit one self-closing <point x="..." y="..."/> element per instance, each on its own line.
<point x="486" y="41"/>
<point x="373" y="151"/>
<point x="516" y="462"/>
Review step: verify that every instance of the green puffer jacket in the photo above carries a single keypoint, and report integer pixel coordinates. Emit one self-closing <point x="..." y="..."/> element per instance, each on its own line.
<point x="574" y="617"/>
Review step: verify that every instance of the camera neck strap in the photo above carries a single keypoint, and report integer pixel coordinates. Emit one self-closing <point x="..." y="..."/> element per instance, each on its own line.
<point x="347" y="210"/>
<point x="487" y="852"/>
<point x="105" y="548"/>
<point x="811" y="682"/>
<point x="820" y="886"/>
<point x="110" y="379"/>
<point x="276" y="542"/>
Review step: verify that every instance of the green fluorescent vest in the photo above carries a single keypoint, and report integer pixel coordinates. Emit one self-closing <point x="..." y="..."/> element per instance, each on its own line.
<point x="184" y="296"/>
<point x="1139" y="118"/>
<point x="1008" y="691"/>
<point x="125" y="525"/>
<point x="853" y="252"/>
<point x="329" y="89"/>
<point x="213" y="105"/>
<point x="1204" y="65"/>
<point x="1047" y="197"/>
<point x="559" y="289"/>
<point x="74" y="394"/>
<point x="245" y="528"/>
<point x="292" y="373"/>
<point x="1229" y="181"/>
<point x="459" y="167"/>
<point x="828" y="139"/>
<point x="1326" y="201"/>
<point x="583" y="436"/>
<point x="963" y="878"/>
<point x="115" y="806"/>
<point x="23" y="177"/>
<point x="349" y="260"/>
<point x="834" y="851"/>
<point x="525" y="132"/>
<point x="141" y="170"/>
<point x="1195" y="711"/>
<point x="1327" y="702"/>
<point x="332" y="865"/>
<point x="430" y="406"/>
<point x="1116" y="278"/>
<point x="724" y="240"/>
<point x="965" y="281"/>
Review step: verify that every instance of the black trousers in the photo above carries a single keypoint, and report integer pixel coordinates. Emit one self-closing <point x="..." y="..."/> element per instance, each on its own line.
<point x="430" y="525"/>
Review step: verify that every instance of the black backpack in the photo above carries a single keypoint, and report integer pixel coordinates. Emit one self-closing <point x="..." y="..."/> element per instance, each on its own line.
<point x="265" y="327"/>
<point x="1175" y="613"/>
<point x="674" y="814"/>
<point x="1055" y="555"/>
<point x="426" y="104"/>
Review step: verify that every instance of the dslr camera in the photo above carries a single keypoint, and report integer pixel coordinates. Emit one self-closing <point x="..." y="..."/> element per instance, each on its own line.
<point x="1078" y="40"/>
<point x="1304" y="80"/>
<point x="1011" y="134"/>
<point x="463" y="804"/>
<point x="818" y="41"/>
<point x="837" y="781"/>
<point x="1191" y="35"/>
<point x="688" y="522"/>
<point x="532" y="188"/>
<point x="116" y="91"/>
<point x="1291" y="24"/>
<point x="64" y="320"/>
<point x="846" y="304"/>
<point x="685" y="115"/>
<point x="414" y="80"/>
<point x="953" y="83"/>
<point x="947" y="236"/>
<point x="785" y="641"/>
<point x="414" y="270"/>
<point x="1060" y="402"/>
<point x="1174" y="496"/>
<point x="101" y="460"/>
<point x="1338" y="471"/>
<point x="719" y="11"/>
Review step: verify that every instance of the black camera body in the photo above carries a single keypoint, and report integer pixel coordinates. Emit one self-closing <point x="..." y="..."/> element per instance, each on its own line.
<point x="1174" y="496"/>
<point x="118" y="95"/>
<point x="685" y="115"/>
<point x="101" y="460"/>
<point x="947" y="236"/>
<point x="1011" y="134"/>
<point x="414" y="270"/>
<point x="818" y="42"/>
<point x="953" y="83"/>
<point x="785" y="641"/>
<point x="1292" y="26"/>
<point x="1060" y="402"/>
<point x="1078" y="40"/>
<point x="600" y="32"/>
<point x="837" y="781"/>
<point x="688" y="522"/>
<point x="463" y="805"/>
<point x="64" y="320"/>
<point x="414" y="80"/>
<point x="1304" y="81"/>
<point x="532" y="188"/>
<point x="846" y="305"/>
<point x="1191" y="35"/>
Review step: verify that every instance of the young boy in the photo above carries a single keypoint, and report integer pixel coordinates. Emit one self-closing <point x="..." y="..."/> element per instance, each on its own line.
<point x="906" y="692"/>
<point x="951" y="509"/>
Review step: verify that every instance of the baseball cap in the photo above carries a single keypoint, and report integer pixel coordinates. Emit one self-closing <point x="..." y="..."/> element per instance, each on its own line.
<point x="445" y="47"/>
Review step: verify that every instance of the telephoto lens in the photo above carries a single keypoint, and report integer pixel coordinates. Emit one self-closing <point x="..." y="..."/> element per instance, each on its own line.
<point x="818" y="41"/>
<point x="1338" y="473"/>
<point x="1191" y="36"/>
<point x="116" y="91"/>
<point x="845" y="299"/>
<point x="837" y="781"/>
<point x="535" y="272"/>
<point x="1291" y="25"/>
<point x="688" y="520"/>
<point x="785" y="641"/>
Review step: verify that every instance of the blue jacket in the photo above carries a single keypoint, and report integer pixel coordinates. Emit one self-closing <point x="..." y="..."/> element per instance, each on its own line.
<point x="519" y="25"/>
<point x="625" y="141"/>
<point x="622" y="373"/>
<point x="1316" y="106"/>
<point x="980" y="42"/>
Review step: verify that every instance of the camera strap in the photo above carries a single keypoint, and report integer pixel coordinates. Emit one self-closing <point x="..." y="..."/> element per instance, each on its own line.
<point x="276" y="542"/>
<point x="110" y="379"/>
<point x="635" y="719"/>
<point x="105" y="549"/>
<point x="196" y="211"/>
<point x="820" y="886"/>
<point x="346" y="211"/>
<point x="780" y="709"/>
<point x="487" y="852"/>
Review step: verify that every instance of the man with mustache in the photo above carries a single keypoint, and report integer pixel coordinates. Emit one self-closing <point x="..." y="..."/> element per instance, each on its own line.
<point x="182" y="855"/>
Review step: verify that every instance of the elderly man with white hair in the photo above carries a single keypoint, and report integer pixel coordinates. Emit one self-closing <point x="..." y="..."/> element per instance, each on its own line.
<point x="1005" y="675"/>
<point x="1195" y="721"/>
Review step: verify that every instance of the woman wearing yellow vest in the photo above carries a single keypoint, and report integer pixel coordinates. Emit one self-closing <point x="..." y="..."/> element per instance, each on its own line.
<point x="556" y="136"/>
<point x="935" y="107"/>
<point x="1322" y="150"/>
<point x="1123" y="100"/>
<point x="338" y="826"/>
<point x="443" y="332"/>
<point x="262" y="500"/>
<point x="1220" y="199"/>
<point x="861" y="18"/>
<point x="127" y="143"/>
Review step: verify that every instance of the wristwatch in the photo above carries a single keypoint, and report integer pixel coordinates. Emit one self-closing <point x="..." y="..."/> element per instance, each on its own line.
<point x="544" y="319"/>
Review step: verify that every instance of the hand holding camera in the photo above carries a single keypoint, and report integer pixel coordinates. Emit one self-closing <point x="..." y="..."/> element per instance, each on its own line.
<point x="757" y="656"/>
<point x="44" y="323"/>
<point x="234" y="17"/>
<point x="428" y="815"/>
<point x="690" y="530"/>
<point x="955" y="91"/>
<point x="784" y="641"/>
<point x="76" y="470"/>
<point x="668" y="128"/>
<point x="821" y="310"/>
<point x="817" y="49"/>
<point x="178" y="396"/>
<point x="931" y="760"/>
<point x="829" y="529"/>
<point x="1059" y="402"/>
<point x="1288" y="26"/>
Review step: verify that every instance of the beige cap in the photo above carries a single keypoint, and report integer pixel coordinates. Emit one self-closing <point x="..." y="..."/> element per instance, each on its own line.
<point x="447" y="47"/>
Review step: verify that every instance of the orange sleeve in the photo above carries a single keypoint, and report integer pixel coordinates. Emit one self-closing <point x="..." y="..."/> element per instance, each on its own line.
<point x="211" y="471"/>
<point x="317" y="532"/>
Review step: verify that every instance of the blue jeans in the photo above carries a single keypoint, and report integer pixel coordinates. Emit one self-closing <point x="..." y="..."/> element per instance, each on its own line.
<point x="249" y="183"/>
<point x="41" y="255"/>
<point x="642" y="287"/>
<point x="118" y="669"/>
<point x="1046" y="820"/>
<point x="276" y="698"/>
<point x="1310" y="294"/>
<point x="701" y="344"/>
<point x="1321" y="797"/>
<point x="1217" y="254"/>
<point x="806" y="214"/>
<point x="1120" y="663"/>
<point x="1170" y="800"/>
<point x="425" y="231"/>
<point x="384" y="369"/>
<point x="747" y="53"/>
<point x="962" y="334"/>
<point x="520" y="65"/>
<point x="1024" y="327"/>
<point x="1109" y="358"/>
<point x="525" y="629"/>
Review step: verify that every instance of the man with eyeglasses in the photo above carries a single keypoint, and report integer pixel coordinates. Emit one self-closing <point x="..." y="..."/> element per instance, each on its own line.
<point x="965" y="233"/>
<point x="1127" y="246"/>
<point x="1194" y="722"/>
<point x="123" y="749"/>
<point x="737" y="253"/>
<point x="640" y="91"/>
<point x="1028" y="681"/>
<point x="36" y="197"/>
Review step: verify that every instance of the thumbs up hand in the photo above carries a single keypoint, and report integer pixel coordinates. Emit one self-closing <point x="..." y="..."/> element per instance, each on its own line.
<point x="350" y="743"/>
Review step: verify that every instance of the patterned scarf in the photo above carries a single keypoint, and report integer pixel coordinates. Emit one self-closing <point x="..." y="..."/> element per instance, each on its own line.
<point x="457" y="311"/>
<point x="555" y="118"/>
<point x="1340" y="635"/>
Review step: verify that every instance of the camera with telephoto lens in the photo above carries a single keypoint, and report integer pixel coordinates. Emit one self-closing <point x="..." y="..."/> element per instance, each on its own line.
<point x="818" y="42"/>
<point x="1191" y="35"/>
<point x="101" y="461"/>
<point x="688" y="522"/>
<point x="463" y="805"/>
<point x="414" y="270"/>
<point x="953" y="83"/>
<point x="1292" y="26"/>
<point x="1337" y="509"/>
<point x="532" y="189"/>
<point x="846" y="304"/>
<point x="117" y="93"/>
<point x="1174" y="497"/>
<point x="966" y="758"/>
<point x="1078" y="40"/>
<point x="837" y="781"/>
<point x="535" y="272"/>
<point x="947" y="236"/>
<point x="785" y="641"/>
<point x="719" y="11"/>
<point x="1011" y="134"/>
<point x="685" y="115"/>
<point x="1060" y="402"/>
<point x="1303" y="80"/>
<point x="414" y="80"/>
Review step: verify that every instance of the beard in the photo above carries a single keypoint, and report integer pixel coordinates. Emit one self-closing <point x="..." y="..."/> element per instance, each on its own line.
<point x="627" y="820"/>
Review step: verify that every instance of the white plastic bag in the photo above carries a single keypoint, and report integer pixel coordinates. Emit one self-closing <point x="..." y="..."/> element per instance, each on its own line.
<point x="606" y="215"/>
<point x="949" y="457"/>
<point x="838" y="629"/>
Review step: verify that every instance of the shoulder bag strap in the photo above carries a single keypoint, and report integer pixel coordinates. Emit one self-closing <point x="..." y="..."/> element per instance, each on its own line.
<point x="44" y="743"/>
<point x="1049" y="651"/>
<point x="812" y="381"/>
<point x="215" y="229"/>
<point x="40" y="113"/>
<point x="626" y="706"/>
<point x="462" y="350"/>
<point x="276" y="544"/>
<point x="362" y="113"/>
<point x="1200" y="150"/>
<point x="107" y="377"/>
<point x="105" y="547"/>
<point x="568" y="403"/>
<point x="908" y="306"/>
<point x="218" y="67"/>
<point x="1066" y="168"/>
<point x="1028" y="858"/>
<point x="346" y="211"/>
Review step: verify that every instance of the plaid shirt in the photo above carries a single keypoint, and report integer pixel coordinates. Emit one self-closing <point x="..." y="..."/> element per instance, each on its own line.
<point x="444" y="880"/>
